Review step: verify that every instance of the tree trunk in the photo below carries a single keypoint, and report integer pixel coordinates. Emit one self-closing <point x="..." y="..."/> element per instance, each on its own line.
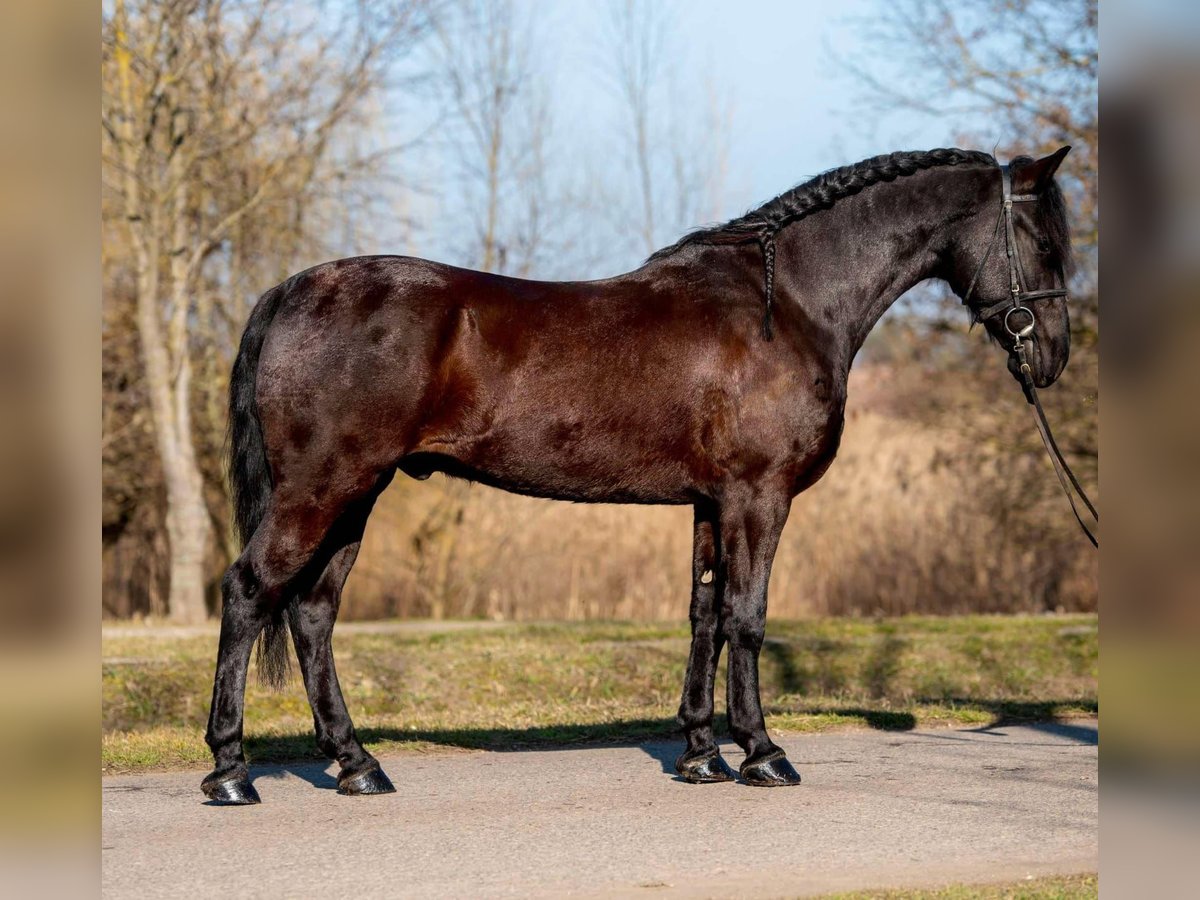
<point x="188" y="525"/>
<point x="188" y="529"/>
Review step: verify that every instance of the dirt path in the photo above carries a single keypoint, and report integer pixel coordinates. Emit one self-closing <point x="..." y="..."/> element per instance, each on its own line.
<point x="876" y="809"/>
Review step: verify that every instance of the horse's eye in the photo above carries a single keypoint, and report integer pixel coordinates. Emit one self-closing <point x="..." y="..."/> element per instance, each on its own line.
<point x="1043" y="245"/>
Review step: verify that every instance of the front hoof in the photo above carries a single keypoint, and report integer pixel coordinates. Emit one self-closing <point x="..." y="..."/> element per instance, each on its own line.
<point x="372" y="781"/>
<point x="771" y="771"/>
<point x="227" y="791"/>
<point x="704" y="769"/>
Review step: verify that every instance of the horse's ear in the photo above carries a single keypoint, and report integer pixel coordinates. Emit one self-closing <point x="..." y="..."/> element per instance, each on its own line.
<point x="1036" y="177"/>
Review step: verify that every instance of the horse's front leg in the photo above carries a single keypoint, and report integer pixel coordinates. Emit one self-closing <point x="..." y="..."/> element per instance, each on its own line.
<point x="750" y="525"/>
<point x="701" y="762"/>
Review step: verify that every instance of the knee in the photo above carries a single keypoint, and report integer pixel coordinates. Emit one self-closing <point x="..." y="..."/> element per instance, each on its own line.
<point x="239" y="582"/>
<point x="703" y="617"/>
<point x="742" y="630"/>
<point x="241" y="591"/>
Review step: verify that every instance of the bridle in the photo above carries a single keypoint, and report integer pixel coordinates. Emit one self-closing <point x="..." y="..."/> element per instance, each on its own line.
<point x="1021" y="334"/>
<point x="1018" y="285"/>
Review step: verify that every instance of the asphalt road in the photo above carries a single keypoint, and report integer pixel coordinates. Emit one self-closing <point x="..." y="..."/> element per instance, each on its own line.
<point x="918" y="808"/>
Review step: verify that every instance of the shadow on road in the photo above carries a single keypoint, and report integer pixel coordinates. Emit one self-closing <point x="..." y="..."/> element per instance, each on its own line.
<point x="1040" y="715"/>
<point x="1072" y="731"/>
<point x="313" y="772"/>
<point x="659" y="737"/>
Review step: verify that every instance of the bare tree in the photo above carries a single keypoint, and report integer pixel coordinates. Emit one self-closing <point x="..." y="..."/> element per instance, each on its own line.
<point x="636" y="39"/>
<point x="218" y="115"/>
<point x="530" y="237"/>
<point x="677" y="133"/>
<point x="497" y="129"/>
<point x="1021" y="73"/>
<point x="697" y="130"/>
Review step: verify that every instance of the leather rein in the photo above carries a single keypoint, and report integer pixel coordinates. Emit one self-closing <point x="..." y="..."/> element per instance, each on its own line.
<point x="1022" y="334"/>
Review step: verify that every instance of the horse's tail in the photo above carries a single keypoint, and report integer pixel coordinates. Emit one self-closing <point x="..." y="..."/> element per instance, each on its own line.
<point x="249" y="475"/>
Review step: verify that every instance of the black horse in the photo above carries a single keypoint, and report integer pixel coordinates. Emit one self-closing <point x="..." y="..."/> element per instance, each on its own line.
<point x="714" y="376"/>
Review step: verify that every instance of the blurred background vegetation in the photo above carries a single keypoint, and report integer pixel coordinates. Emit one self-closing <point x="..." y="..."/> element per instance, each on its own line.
<point x="244" y="140"/>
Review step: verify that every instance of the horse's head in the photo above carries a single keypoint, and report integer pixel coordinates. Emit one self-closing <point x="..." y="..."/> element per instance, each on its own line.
<point x="1038" y="238"/>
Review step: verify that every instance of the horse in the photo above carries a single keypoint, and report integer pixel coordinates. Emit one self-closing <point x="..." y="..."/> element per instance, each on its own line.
<point x="714" y="376"/>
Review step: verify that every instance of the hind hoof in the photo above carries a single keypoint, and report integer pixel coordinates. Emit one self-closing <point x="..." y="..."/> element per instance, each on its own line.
<point x="704" y="769"/>
<point x="237" y="791"/>
<point x="372" y="781"/>
<point x="773" y="771"/>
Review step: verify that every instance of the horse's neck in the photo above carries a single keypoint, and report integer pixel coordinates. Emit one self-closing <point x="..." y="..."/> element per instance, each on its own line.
<point x="847" y="265"/>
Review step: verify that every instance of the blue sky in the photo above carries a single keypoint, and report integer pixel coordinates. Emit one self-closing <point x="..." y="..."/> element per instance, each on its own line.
<point x="795" y="111"/>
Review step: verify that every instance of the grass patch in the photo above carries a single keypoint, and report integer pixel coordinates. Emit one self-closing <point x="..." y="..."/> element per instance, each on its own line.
<point x="1060" y="887"/>
<point x="551" y="684"/>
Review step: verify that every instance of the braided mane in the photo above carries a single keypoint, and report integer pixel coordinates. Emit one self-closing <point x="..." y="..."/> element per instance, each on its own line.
<point x="822" y="192"/>
<point x="762" y="224"/>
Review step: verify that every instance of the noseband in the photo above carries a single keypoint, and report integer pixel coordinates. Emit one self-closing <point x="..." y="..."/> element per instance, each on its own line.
<point x="1022" y="331"/>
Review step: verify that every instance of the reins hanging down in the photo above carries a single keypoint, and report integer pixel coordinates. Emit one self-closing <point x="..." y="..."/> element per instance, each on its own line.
<point x="1066" y="477"/>
<point x="1018" y="289"/>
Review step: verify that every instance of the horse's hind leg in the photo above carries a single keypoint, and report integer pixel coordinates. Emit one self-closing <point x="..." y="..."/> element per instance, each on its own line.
<point x="283" y="546"/>
<point x="311" y="620"/>
<point x="701" y="762"/>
